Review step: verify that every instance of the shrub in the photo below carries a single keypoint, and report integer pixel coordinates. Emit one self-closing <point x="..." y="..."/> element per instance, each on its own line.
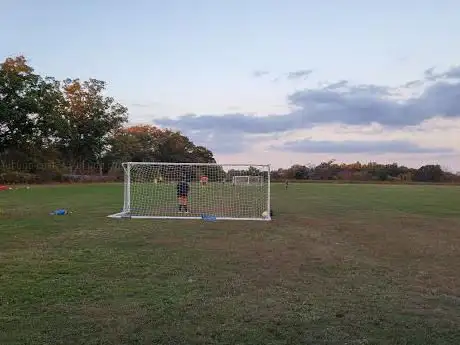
<point x="16" y="177"/>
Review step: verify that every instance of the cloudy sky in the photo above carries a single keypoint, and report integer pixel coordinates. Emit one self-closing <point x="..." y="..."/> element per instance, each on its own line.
<point x="265" y="81"/>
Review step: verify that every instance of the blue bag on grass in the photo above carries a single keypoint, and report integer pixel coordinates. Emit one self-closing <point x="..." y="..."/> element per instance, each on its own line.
<point x="59" y="212"/>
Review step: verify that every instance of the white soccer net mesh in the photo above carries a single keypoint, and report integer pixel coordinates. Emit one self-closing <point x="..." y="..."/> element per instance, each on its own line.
<point x="247" y="180"/>
<point x="213" y="190"/>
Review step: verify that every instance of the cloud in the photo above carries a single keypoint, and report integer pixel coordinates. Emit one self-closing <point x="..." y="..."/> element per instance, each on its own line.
<point x="345" y="103"/>
<point x="237" y="122"/>
<point x="259" y="73"/>
<point x="429" y="74"/>
<point x="413" y="83"/>
<point x="300" y="74"/>
<point x="143" y="105"/>
<point x="338" y="104"/>
<point x="221" y="143"/>
<point x="357" y="146"/>
<point x="452" y="73"/>
<point x="338" y="85"/>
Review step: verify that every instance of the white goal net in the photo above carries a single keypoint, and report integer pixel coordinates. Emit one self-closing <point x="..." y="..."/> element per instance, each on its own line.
<point x="196" y="191"/>
<point x="247" y="180"/>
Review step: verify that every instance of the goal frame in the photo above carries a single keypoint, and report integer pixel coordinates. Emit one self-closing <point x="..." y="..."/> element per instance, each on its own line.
<point x="248" y="183"/>
<point x="125" y="213"/>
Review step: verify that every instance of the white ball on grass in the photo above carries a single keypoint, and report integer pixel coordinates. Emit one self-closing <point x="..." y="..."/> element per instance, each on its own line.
<point x="264" y="214"/>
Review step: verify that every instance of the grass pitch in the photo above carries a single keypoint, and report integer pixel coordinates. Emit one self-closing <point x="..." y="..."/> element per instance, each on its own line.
<point x="340" y="264"/>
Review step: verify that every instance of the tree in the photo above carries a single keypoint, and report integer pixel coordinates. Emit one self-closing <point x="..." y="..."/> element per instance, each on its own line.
<point x="175" y="148"/>
<point x="203" y="155"/>
<point x="298" y="172"/>
<point x="29" y="107"/>
<point x="89" y="121"/>
<point x="429" y="173"/>
<point x="135" y="143"/>
<point x="65" y="123"/>
<point x="19" y="88"/>
<point x="150" y="143"/>
<point x="327" y="170"/>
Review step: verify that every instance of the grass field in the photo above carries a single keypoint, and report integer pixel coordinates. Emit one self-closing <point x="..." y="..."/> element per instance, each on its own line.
<point x="340" y="264"/>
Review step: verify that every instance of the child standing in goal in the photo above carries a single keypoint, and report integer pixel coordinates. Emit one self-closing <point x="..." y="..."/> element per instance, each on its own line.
<point x="182" y="195"/>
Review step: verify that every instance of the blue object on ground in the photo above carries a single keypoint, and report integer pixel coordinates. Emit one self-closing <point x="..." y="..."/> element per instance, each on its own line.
<point x="208" y="218"/>
<point x="60" y="212"/>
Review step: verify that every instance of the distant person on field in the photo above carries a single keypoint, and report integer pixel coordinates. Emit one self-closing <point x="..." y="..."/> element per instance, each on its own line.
<point x="182" y="195"/>
<point x="286" y="184"/>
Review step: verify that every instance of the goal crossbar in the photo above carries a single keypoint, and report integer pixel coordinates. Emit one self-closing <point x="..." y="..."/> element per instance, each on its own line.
<point x="197" y="164"/>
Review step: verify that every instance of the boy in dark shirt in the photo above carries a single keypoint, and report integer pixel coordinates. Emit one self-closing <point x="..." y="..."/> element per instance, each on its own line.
<point x="182" y="195"/>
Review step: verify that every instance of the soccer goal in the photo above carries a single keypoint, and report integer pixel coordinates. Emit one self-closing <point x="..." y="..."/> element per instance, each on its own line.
<point x="247" y="180"/>
<point x="181" y="195"/>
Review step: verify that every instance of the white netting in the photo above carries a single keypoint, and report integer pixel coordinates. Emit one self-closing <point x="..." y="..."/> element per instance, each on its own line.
<point x="247" y="180"/>
<point x="216" y="190"/>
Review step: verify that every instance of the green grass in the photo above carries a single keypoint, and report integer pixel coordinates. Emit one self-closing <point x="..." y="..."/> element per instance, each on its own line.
<point x="340" y="264"/>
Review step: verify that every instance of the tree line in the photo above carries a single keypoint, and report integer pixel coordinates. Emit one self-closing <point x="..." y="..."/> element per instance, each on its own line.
<point x="372" y="171"/>
<point x="53" y="130"/>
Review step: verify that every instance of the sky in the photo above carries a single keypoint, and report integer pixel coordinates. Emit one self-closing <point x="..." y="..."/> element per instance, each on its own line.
<point x="264" y="81"/>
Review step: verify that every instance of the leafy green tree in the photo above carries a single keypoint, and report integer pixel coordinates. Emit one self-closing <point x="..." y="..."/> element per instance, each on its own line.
<point x="19" y="105"/>
<point x="202" y="155"/>
<point x="135" y="143"/>
<point x="29" y="107"/>
<point x="429" y="173"/>
<point x="89" y="120"/>
<point x="151" y="144"/>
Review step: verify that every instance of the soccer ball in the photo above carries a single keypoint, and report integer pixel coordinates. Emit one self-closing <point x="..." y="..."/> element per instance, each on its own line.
<point x="264" y="214"/>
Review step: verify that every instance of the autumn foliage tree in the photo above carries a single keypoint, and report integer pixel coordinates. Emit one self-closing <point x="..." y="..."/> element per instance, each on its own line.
<point x="88" y="121"/>
<point x="51" y="128"/>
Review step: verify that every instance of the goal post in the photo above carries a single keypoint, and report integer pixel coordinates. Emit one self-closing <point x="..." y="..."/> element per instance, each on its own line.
<point x="181" y="195"/>
<point x="247" y="180"/>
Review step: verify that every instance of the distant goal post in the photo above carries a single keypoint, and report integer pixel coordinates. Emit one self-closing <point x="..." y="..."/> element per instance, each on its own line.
<point x="247" y="180"/>
<point x="226" y="196"/>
